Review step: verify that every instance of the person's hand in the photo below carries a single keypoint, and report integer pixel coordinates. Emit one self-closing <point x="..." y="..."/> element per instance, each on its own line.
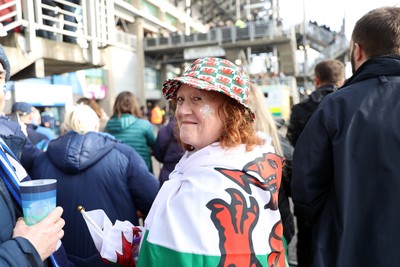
<point x="45" y="234"/>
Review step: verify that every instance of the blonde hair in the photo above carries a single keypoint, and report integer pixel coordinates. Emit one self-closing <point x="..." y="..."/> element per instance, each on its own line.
<point x="81" y="119"/>
<point x="264" y="122"/>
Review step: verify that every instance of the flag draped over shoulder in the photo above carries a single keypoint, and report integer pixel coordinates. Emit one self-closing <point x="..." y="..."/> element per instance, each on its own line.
<point x="117" y="243"/>
<point x="217" y="209"/>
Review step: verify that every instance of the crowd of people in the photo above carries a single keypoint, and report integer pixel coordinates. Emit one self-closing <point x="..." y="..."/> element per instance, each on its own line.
<point x="222" y="197"/>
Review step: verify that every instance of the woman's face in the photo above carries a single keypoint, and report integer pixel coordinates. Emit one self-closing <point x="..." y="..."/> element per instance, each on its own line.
<point x="197" y="116"/>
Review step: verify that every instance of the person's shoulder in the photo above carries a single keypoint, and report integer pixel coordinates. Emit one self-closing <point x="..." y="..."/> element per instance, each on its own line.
<point x="144" y="123"/>
<point x="305" y="105"/>
<point x="124" y="148"/>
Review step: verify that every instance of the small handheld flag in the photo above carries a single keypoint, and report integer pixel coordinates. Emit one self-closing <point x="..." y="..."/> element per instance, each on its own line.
<point x="117" y="244"/>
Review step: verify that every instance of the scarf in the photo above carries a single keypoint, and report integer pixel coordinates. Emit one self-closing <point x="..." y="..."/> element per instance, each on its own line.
<point x="13" y="174"/>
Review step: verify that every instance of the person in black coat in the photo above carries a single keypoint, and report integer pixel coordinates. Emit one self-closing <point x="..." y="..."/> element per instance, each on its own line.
<point x="329" y="75"/>
<point x="346" y="161"/>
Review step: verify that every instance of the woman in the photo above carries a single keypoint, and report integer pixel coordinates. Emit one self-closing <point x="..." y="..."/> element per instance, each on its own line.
<point x="264" y="122"/>
<point x="94" y="170"/>
<point x="127" y="125"/>
<point x="220" y="204"/>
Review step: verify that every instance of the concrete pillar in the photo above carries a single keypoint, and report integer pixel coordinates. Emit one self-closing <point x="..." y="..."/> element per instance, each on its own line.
<point x="140" y="60"/>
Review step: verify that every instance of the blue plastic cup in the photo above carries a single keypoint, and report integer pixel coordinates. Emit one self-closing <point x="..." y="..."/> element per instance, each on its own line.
<point x="38" y="199"/>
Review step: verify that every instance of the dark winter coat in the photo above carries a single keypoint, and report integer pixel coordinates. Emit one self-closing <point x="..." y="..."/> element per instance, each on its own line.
<point x="17" y="251"/>
<point x="28" y="152"/>
<point x="284" y="192"/>
<point x="34" y="136"/>
<point x="167" y="150"/>
<point x="98" y="172"/>
<point x="346" y="170"/>
<point x="301" y="112"/>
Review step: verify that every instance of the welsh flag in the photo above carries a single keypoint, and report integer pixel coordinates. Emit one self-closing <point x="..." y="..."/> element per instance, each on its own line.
<point x="217" y="209"/>
<point x="118" y="243"/>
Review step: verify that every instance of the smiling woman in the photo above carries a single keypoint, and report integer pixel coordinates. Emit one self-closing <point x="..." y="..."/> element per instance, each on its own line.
<point x="219" y="206"/>
<point x="198" y="121"/>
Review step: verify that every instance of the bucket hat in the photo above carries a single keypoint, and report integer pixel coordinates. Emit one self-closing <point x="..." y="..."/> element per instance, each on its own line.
<point x="213" y="74"/>
<point x="22" y="108"/>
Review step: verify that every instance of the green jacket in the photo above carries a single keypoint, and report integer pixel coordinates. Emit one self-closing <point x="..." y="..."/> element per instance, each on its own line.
<point x="135" y="132"/>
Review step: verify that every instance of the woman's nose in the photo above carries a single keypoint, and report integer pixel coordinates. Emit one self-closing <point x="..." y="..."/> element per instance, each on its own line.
<point x="184" y="108"/>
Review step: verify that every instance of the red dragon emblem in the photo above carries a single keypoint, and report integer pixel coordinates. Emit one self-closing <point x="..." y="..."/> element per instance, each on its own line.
<point x="206" y="78"/>
<point x="235" y="221"/>
<point x="129" y="250"/>
<point x="268" y="167"/>
<point x="227" y="71"/>
<point x="237" y="90"/>
<point x="208" y="70"/>
<point x="223" y="80"/>
<point x="239" y="81"/>
<point x="211" y="62"/>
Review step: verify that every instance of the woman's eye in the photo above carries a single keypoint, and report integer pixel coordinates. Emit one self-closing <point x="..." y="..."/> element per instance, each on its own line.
<point x="195" y="99"/>
<point x="179" y="100"/>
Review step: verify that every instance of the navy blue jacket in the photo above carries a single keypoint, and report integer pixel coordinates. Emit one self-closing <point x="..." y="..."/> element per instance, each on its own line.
<point x="98" y="172"/>
<point x="17" y="251"/>
<point x="167" y="150"/>
<point x="29" y="152"/>
<point x="346" y="170"/>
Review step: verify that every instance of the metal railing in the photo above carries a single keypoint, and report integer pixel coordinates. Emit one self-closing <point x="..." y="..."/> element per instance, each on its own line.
<point x="90" y="23"/>
<point x="233" y="34"/>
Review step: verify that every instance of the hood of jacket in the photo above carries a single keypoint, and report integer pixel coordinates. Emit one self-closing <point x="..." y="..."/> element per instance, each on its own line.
<point x="377" y="66"/>
<point x="321" y="92"/>
<point x="116" y="124"/>
<point x="75" y="152"/>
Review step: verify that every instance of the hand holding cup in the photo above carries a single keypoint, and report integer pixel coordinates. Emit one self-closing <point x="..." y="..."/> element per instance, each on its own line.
<point x="38" y="199"/>
<point x="45" y="234"/>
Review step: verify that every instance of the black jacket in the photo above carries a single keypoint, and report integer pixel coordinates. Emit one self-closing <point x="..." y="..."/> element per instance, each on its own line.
<point x="301" y="112"/>
<point x="346" y="170"/>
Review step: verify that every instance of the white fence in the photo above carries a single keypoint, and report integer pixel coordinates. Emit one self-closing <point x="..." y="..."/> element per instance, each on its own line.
<point x="89" y="23"/>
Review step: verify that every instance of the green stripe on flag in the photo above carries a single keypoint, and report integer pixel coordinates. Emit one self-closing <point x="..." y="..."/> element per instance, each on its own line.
<point x="154" y="255"/>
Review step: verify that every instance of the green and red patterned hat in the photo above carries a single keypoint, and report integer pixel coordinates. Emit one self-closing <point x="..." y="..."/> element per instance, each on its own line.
<point x="213" y="74"/>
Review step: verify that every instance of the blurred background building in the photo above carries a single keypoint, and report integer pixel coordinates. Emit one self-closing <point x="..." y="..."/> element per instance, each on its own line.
<point x="62" y="50"/>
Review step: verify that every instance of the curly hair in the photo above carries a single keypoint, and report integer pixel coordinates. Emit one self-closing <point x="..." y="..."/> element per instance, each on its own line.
<point x="237" y="126"/>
